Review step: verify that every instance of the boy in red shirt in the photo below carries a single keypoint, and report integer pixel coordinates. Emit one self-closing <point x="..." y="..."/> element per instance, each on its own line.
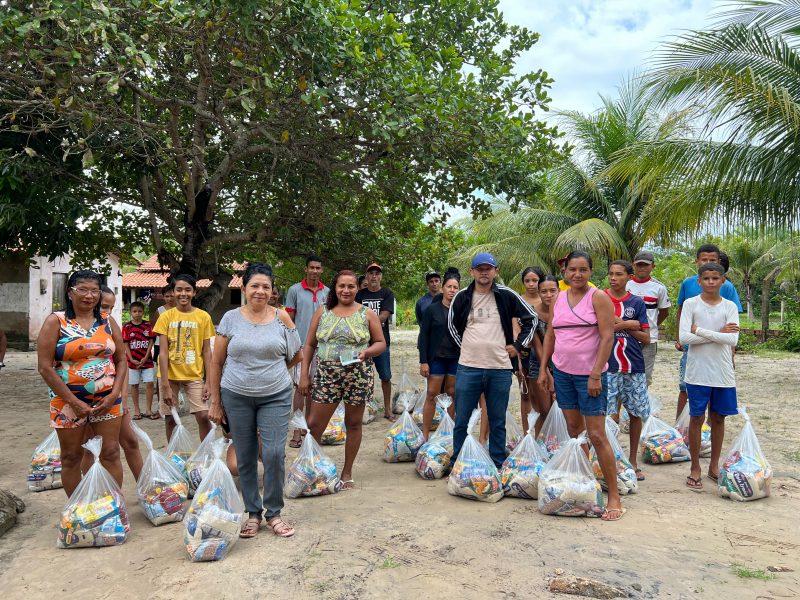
<point x="139" y="338"/>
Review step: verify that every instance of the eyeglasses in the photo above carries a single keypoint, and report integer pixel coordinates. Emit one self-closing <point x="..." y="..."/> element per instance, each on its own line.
<point x="85" y="291"/>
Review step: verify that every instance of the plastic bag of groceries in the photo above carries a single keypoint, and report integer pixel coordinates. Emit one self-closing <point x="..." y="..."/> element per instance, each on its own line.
<point x="180" y="447"/>
<point x="418" y="409"/>
<point x="45" y="470"/>
<point x="661" y="443"/>
<point x="474" y="475"/>
<point x="201" y="459"/>
<point x="625" y="418"/>
<point x="567" y="486"/>
<point x="520" y="471"/>
<point x="312" y="473"/>
<point x="95" y="514"/>
<point x="406" y="393"/>
<point x="626" y="474"/>
<point x="335" y="432"/>
<point x="370" y="411"/>
<point x="682" y="425"/>
<point x="403" y="440"/>
<point x="513" y="432"/>
<point x="161" y="488"/>
<point x="211" y="525"/>
<point x="745" y="474"/>
<point x="553" y="433"/>
<point x="433" y="458"/>
<point x="438" y="414"/>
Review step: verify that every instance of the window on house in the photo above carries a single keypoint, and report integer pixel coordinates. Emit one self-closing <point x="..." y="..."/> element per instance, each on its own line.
<point x="236" y="297"/>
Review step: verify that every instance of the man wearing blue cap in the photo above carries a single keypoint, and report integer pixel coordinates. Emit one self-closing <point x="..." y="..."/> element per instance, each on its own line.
<point x="481" y="322"/>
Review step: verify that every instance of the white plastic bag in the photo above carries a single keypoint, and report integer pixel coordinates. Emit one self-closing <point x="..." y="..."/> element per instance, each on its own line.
<point x="661" y="443"/>
<point x="553" y="433"/>
<point x="567" y="486"/>
<point x="95" y="514"/>
<point x="474" y="475"/>
<point x="745" y="475"/>
<point x="433" y="458"/>
<point x="625" y="418"/>
<point x="406" y="394"/>
<point x="513" y="432"/>
<point x="418" y="409"/>
<point x="201" y="459"/>
<point x="45" y="470"/>
<point x="438" y="414"/>
<point x="626" y="474"/>
<point x="682" y="425"/>
<point x="180" y="447"/>
<point x="520" y="471"/>
<point x="335" y="432"/>
<point x="403" y="440"/>
<point x="212" y="523"/>
<point x="370" y="411"/>
<point x="312" y="473"/>
<point x="161" y="488"/>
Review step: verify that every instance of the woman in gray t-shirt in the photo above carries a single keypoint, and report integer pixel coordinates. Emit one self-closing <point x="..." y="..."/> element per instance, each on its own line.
<point x="255" y="347"/>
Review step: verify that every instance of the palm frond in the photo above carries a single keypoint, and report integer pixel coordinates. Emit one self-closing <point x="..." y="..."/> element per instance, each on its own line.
<point x="593" y="236"/>
<point x="777" y="17"/>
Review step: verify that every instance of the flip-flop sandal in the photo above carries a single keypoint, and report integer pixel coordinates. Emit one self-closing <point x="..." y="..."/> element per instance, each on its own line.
<point x="347" y="484"/>
<point x="714" y="478"/>
<point x="280" y="527"/>
<point x="390" y="418"/>
<point x="639" y="475"/>
<point x="694" y="484"/>
<point x="250" y="528"/>
<point x="155" y="417"/>
<point x="618" y="512"/>
<point x="136" y="417"/>
<point x="295" y="443"/>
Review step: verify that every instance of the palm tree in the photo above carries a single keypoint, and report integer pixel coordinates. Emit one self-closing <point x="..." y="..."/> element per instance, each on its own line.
<point x="752" y="256"/>
<point x="581" y="208"/>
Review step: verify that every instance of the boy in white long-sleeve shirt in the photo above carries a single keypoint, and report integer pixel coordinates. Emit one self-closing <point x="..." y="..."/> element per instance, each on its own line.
<point x="710" y="327"/>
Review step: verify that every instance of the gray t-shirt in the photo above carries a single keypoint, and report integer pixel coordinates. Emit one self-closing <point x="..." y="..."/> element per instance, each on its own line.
<point x="302" y="302"/>
<point x="257" y="355"/>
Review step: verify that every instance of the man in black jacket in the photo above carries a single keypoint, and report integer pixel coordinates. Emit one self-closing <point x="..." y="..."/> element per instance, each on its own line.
<point x="481" y="322"/>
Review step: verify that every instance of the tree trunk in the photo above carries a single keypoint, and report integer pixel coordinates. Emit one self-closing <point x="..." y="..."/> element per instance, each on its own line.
<point x="783" y="310"/>
<point x="211" y="296"/>
<point x="749" y="291"/>
<point x="765" y="288"/>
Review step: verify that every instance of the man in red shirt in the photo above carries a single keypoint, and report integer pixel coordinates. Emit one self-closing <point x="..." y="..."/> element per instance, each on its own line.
<point x="139" y="338"/>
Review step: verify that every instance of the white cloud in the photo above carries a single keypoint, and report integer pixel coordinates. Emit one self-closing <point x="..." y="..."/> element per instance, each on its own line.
<point x="589" y="46"/>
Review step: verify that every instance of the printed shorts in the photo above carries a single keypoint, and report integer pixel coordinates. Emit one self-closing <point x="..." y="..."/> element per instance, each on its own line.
<point x="63" y="417"/>
<point x="334" y="383"/>
<point x="631" y="390"/>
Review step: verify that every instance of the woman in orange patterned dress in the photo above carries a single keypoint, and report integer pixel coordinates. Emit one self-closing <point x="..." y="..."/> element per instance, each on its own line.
<point x="82" y="360"/>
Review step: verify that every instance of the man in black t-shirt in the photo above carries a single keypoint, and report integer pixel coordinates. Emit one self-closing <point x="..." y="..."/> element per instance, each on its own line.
<point x="380" y="300"/>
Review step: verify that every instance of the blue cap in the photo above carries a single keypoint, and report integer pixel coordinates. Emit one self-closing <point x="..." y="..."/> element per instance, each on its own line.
<point x="484" y="258"/>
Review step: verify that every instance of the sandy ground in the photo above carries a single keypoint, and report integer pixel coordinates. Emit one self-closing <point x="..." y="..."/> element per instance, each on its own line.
<point x="397" y="536"/>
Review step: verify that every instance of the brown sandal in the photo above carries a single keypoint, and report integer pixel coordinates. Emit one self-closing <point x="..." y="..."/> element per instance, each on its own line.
<point x="250" y="528"/>
<point x="280" y="527"/>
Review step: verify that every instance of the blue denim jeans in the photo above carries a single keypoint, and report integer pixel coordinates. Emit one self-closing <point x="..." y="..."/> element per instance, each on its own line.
<point x="268" y="417"/>
<point x="495" y="384"/>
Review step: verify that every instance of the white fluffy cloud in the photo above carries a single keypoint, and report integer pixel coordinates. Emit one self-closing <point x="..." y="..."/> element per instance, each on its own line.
<point x="589" y="46"/>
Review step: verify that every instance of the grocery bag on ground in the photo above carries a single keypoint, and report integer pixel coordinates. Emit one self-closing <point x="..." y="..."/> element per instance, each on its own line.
<point x="370" y="411"/>
<point x="433" y="458"/>
<point x="312" y="473"/>
<point x="95" y="514"/>
<point x="513" y="432"/>
<point x="553" y="433"/>
<point x="180" y="447"/>
<point x="624" y="420"/>
<point x="474" y="475"/>
<point x="405" y="395"/>
<point x="662" y="443"/>
<point x="682" y="425"/>
<point x="335" y="432"/>
<point x="161" y="488"/>
<point x="211" y="525"/>
<point x="520" y="471"/>
<point x="438" y="414"/>
<point x="45" y="470"/>
<point x="201" y="459"/>
<point x="567" y="486"/>
<point x="626" y="474"/>
<point x="745" y="474"/>
<point x="403" y="440"/>
<point x="418" y="409"/>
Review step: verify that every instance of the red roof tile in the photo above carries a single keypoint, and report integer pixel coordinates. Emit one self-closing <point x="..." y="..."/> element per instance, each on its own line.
<point x="151" y="264"/>
<point x="159" y="280"/>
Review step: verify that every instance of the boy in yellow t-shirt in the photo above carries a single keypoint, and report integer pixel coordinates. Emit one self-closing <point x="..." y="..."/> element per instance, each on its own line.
<point x="185" y="334"/>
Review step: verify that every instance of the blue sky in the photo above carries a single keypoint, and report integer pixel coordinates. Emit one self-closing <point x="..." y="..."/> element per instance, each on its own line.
<point x="588" y="46"/>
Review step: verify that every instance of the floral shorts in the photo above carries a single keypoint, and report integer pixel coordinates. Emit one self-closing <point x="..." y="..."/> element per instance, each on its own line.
<point x="631" y="389"/>
<point x="334" y="383"/>
<point x="63" y="417"/>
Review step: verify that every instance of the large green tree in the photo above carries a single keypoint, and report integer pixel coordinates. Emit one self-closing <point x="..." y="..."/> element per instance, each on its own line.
<point x="228" y="128"/>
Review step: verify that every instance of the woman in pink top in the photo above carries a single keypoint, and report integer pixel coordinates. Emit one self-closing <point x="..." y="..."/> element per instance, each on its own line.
<point x="579" y="340"/>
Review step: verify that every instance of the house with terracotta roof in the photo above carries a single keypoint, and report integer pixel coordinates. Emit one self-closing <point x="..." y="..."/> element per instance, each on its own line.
<point x="149" y="277"/>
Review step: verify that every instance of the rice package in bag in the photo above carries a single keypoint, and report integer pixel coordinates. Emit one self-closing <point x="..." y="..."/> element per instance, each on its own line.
<point x="513" y="432"/>
<point x="335" y="432"/>
<point x="312" y="473"/>
<point x="403" y="440"/>
<point x="95" y="514"/>
<point x="161" y="488"/>
<point x="180" y="447"/>
<point x="406" y="394"/>
<point x="745" y="475"/>
<point x="201" y="459"/>
<point x="212" y="523"/>
<point x="661" y="443"/>
<point x="554" y="431"/>
<point x="520" y="471"/>
<point x="567" y="486"/>
<point x="370" y="411"/>
<point x="433" y="458"/>
<point x="45" y="469"/>
<point x="474" y="475"/>
<point x="626" y="474"/>
<point x="682" y="425"/>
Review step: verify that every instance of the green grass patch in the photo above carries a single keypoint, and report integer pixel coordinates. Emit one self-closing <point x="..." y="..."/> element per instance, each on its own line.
<point x="792" y="455"/>
<point x="389" y="563"/>
<point x="749" y="573"/>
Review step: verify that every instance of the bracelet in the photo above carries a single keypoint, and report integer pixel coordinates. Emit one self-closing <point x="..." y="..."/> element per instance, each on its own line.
<point x="597" y="377"/>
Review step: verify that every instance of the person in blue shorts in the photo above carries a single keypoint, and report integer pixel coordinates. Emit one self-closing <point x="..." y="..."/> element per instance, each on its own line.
<point x="710" y="327"/>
